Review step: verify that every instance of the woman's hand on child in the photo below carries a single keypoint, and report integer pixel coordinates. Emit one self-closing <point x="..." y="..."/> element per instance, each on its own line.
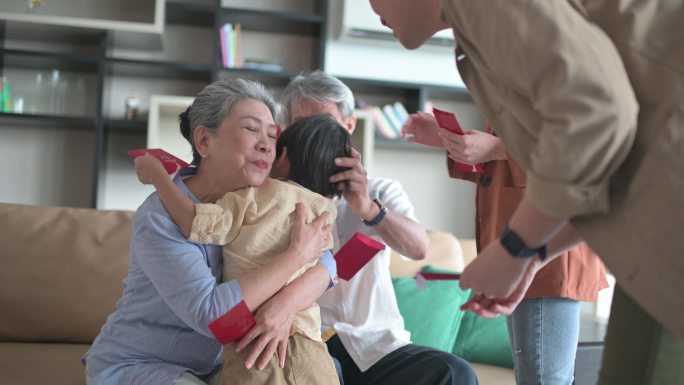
<point x="309" y="239"/>
<point x="473" y="147"/>
<point x="149" y="169"/>
<point x="270" y="334"/>
<point x="422" y="128"/>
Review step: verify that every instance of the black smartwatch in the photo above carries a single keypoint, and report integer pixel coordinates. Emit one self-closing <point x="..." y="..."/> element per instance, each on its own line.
<point x="517" y="248"/>
<point x="381" y="215"/>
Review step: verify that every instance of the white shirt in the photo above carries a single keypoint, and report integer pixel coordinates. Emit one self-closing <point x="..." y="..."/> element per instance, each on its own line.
<point x="364" y="311"/>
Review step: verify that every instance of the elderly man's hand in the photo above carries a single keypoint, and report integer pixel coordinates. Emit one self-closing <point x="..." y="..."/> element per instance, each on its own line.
<point x="355" y="186"/>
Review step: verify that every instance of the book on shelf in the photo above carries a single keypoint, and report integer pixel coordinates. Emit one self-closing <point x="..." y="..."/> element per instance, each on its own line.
<point x="231" y="46"/>
<point x="263" y="65"/>
<point x="381" y="123"/>
<point x="389" y="119"/>
<point x="401" y="112"/>
<point x="388" y="110"/>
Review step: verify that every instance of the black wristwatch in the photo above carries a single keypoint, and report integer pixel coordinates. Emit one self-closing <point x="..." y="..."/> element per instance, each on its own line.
<point x="381" y="215"/>
<point x="517" y="248"/>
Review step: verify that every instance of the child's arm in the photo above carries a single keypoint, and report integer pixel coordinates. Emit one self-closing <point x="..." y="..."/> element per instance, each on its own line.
<point x="181" y="208"/>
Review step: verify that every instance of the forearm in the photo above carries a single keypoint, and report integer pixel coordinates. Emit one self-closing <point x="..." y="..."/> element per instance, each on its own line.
<point x="533" y="226"/>
<point x="180" y="206"/>
<point x="403" y="235"/>
<point x="305" y="290"/>
<point x="261" y="284"/>
<point x="564" y="240"/>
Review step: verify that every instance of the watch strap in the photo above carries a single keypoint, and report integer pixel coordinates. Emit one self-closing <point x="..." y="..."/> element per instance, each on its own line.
<point x="381" y="215"/>
<point x="517" y="248"/>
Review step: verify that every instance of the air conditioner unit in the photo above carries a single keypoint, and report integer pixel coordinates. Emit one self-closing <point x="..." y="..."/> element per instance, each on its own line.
<point x="360" y="21"/>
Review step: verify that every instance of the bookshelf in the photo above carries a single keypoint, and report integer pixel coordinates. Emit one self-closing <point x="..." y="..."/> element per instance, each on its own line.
<point x="102" y="61"/>
<point x="123" y="46"/>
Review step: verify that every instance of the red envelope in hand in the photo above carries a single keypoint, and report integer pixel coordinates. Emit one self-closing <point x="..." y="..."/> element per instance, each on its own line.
<point x="233" y="325"/>
<point x="423" y="276"/>
<point x="355" y="254"/>
<point x="447" y="120"/>
<point x="171" y="163"/>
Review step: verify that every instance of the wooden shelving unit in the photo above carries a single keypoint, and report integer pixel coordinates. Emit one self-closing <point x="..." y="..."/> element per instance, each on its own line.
<point x="111" y="57"/>
<point x="113" y="66"/>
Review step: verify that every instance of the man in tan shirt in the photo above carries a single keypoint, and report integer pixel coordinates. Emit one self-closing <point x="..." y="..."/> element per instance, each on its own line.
<point x="588" y="98"/>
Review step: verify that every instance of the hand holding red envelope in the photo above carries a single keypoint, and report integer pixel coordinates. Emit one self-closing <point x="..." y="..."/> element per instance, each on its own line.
<point x="171" y="163"/>
<point x="355" y="254"/>
<point x="233" y="325"/>
<point x="447" y="120"/>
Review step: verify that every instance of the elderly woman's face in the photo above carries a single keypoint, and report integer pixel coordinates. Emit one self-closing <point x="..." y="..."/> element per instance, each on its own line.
<point x="243" y="149"/>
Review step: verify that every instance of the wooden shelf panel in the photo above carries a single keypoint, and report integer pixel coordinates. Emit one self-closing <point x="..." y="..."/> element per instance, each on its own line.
<point x="159" y="69"/>
<point x="127" y="126"/>
<point x="52" y="120"/>
<point x="273" y="22"/>
<point x="190" y="14"/>
<point x="54" y="35"/>
<point x="401" y="144"/>
<point x="24" y="59"/>
<point x="268" y="78"/>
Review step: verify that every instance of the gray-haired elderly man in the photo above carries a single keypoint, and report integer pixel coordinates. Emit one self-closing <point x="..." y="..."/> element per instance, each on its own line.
<point x="369" y="339"/>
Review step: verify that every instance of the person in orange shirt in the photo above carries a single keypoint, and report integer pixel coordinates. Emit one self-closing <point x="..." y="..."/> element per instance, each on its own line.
<point x="549" y="310"/>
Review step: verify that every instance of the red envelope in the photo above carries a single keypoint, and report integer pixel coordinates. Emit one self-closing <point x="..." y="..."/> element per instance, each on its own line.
<point x="355" y="254"/>
<point x="233" y="325"/>
<point x="440" y="276"/>
<point x="422" y="277"/>
<point x="171" y="163"/>
<point x="447" y="120"/>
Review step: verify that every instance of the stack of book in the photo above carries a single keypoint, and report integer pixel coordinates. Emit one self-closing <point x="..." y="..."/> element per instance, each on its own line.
<point x="389" y="119"/>
<point x="231" y="49"/>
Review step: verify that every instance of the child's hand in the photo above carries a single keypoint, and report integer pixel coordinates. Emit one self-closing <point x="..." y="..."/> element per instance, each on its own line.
<point x="149" y="169"/>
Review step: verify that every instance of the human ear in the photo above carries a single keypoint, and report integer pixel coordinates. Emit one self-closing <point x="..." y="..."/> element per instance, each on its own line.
<point x="350" y="124"/>
<point x="201" y="140"/>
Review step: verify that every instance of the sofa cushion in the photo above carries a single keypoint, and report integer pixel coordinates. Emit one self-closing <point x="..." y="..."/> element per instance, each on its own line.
<point x="61" y="271"/>
<point x="484" y="340"/>
<point x="431" y="315"/>
<point x="43" y="363"/>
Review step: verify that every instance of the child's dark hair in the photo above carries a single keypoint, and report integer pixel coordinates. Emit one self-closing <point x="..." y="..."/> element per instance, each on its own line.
<point x="312" y="145"/>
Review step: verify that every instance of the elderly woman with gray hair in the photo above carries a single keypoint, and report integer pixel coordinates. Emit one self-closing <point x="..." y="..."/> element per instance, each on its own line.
<point x="159" y="334"/>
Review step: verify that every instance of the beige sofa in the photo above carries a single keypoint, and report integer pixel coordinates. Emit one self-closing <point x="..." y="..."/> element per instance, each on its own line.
<point x="61" y="272"/>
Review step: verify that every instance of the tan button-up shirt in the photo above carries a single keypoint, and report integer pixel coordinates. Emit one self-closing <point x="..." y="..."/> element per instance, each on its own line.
<point x="589" y="99"/>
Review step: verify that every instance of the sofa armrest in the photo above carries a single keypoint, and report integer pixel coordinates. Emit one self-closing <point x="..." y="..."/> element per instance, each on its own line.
<point x="469" y="247"/>
<point x="445" y="252"/>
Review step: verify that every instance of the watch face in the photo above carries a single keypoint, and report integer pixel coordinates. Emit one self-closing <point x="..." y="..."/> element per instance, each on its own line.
<point x="512" y="243"/>
<point x="516" y="247"/>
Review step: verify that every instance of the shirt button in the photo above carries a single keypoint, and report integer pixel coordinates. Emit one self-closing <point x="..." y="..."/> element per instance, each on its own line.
<point x="485" y="180"/>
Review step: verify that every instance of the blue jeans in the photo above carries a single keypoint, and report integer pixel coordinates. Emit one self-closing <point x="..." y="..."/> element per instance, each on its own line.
<point x="544" y="333"/>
